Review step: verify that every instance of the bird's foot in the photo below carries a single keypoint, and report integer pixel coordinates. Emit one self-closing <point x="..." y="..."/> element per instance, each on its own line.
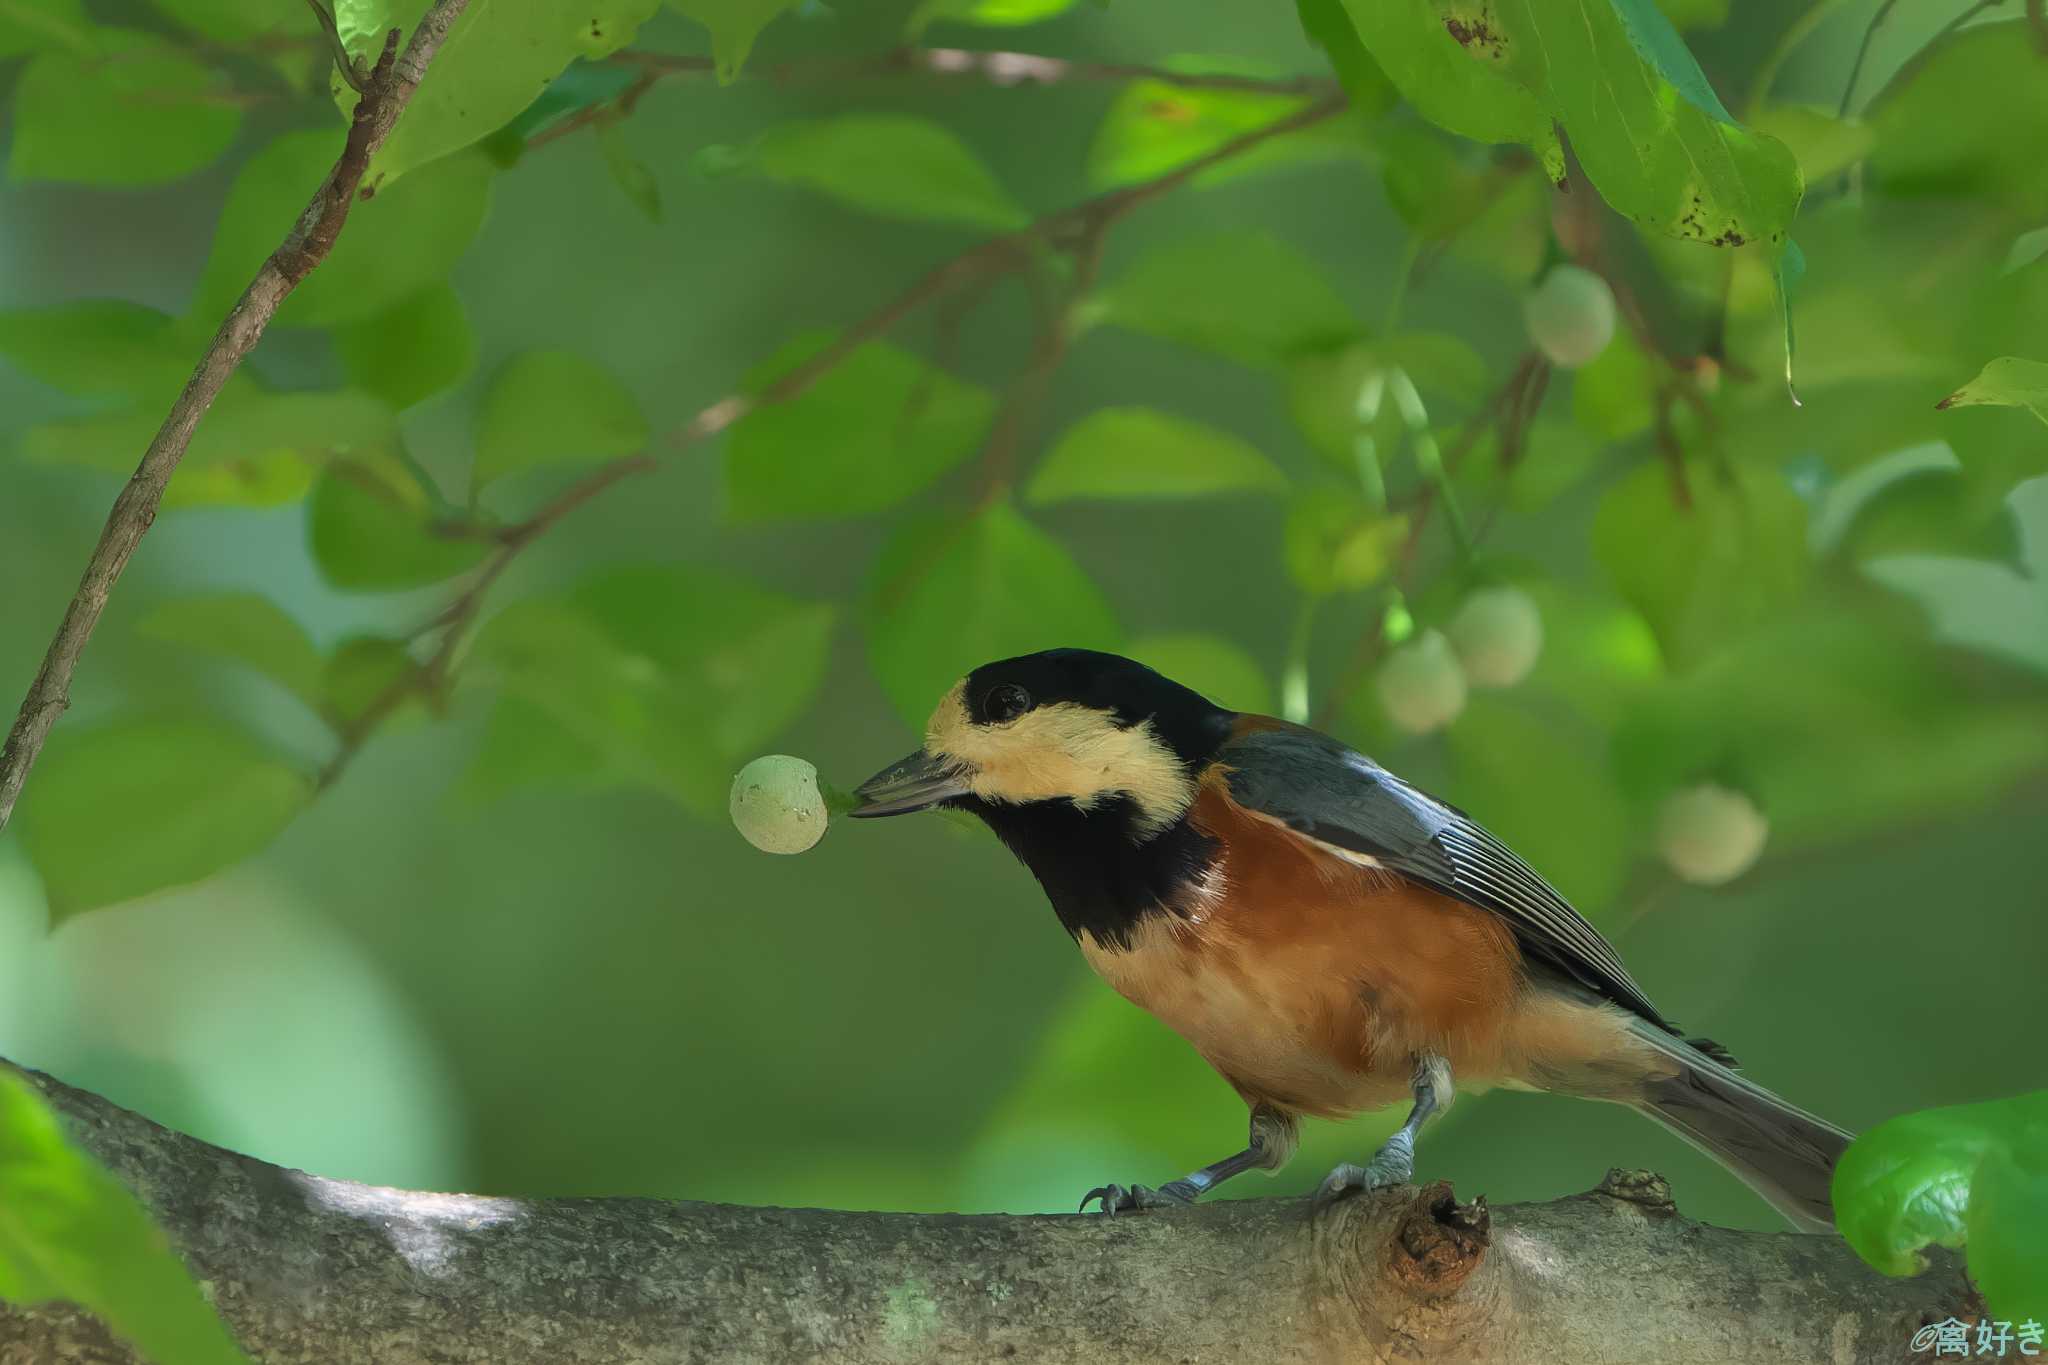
<point x="1118" y="1199"/>
<point x="1393" y="1164"/>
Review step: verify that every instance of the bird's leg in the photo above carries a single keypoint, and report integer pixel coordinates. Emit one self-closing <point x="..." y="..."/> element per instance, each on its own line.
<point x="1272" y="1142"/>
<point x="1394" y="1162"/>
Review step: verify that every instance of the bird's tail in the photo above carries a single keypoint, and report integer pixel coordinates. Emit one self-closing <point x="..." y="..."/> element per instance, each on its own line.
<point x="1777" y="1149"/>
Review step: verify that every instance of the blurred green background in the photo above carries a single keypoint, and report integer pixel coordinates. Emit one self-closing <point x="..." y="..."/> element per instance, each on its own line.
<point x="584" y="987"/>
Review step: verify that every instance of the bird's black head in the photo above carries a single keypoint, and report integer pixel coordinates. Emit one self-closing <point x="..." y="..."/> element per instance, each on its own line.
<point x="1076" y="727"/>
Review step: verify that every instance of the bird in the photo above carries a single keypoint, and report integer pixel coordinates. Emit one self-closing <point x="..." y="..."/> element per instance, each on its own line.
<point x="1328" y="937"/>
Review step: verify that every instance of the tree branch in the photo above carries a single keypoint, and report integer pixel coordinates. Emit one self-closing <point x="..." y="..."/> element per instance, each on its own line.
<point x="390" y="86"/>
<point x="312" y="1270"/>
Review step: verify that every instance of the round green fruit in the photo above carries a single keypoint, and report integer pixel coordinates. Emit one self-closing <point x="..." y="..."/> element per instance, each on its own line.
<point x="1710" y="835"/>
<point x="1570" y="316"/>
<point x="1421" y="685"/>
<point x="1498" y="634"/>
<point x="777" y="806"/>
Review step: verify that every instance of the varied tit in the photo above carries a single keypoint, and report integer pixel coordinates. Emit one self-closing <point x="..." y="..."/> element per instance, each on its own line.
<point x="1328" y="937"/>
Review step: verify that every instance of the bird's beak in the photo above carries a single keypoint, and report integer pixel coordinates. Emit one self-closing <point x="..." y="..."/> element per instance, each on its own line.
<point x="914" y="783"/>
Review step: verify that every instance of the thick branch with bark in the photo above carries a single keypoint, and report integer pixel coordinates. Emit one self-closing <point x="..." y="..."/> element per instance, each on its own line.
<point x="312" y="1270"/>
<point x="387" y="89"/>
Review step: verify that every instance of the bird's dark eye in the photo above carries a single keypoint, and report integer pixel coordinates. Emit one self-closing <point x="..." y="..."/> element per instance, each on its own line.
<point x="1005" y="701"/>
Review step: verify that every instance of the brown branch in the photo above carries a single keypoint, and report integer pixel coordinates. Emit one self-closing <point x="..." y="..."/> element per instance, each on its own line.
<point x="392" y="81"/>
<point x="1079" y="230"/>
<point x="305" y="1269"/>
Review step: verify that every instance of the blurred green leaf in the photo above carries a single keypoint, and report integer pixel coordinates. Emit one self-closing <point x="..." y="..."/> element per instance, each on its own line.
<point x="1323" y="386"/>
<point x="1425" y="54"/>
<point x="879" y="427"/>
<point x="137" y="805"/>
<point x="370" y="526"/>
<point x="553" y="407"/>
<point x="1212" y="665"/>
<point x="1615" y="395"/>
<point x="2026" y="249"/>
<point x="136" y="111"/>
<point x="1983" y="605"/>
<point x="1822" y="144"/>
<point x="72" y="1233"/>
<point x="891" y="165"/>
<point x="1942" y="1177"/>
<point x="948" y="595"/>
<point x="248" y="628"/>
<point x="1336" y="542"/>
<point x="1247" y="296"/>
<point x="1573" y="825"/>
<point x="985" y="13"/>
<point x="1554" y="458"/>
<point x="633" y="176"/>
<point x="663" y="677"/>
<point x="1650" y="132"/>
<point x="1702" y="574"/>
<point x="412" y="350"/>
<point x="361" y="669"/>
<point x="1155" y="126"/>
<point x="253" y="448"/>
<point x="1145" y="453"/>
<point x="1430" y="182"/>
<point x="2007" y="382"/>
<point x="1329" y="28"/>
<point x="734" y="25"/>
<point x="1939" y="134"/>
<point x="99" y="346"/>
<point x="1695" y="13"/>
<point x="45" y="26"/>
<point x="1846" y="497"/>
<point x="239" y="21"/>
<point x="495" y="61"/>
<point x="405" y="238"/>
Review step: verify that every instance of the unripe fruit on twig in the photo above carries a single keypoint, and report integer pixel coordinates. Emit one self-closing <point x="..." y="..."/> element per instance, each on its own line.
<point x="1710" y="835"/>
<point x="1421" y="685"/>
<point x="1570" y="315"/>
<point x="1498" y="634"/>
<point x="776" y="804"/>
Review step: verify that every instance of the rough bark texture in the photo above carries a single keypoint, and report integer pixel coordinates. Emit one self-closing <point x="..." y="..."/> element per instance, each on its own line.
<point x="388" y="88"/>
<point x="313" y="1270"/>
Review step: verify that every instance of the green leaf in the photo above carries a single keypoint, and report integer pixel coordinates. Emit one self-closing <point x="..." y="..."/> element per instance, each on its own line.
<point x="1247" y="296"/>
<point x="985" y="13"/>
<point x="1574" y="825"/>
<point x="880" y="426"/>
<point x="1823" y="145"/>
<point x="412" y="350"/>
<point x="45" y="26"/>
<point x="1324" y="386"/>
<point x="661" y="677"/>
<point x="1845" y="499"/>
<point x="1336" y="542"/>
<point x="253" y="448"/>
<point x="240" y="21"/>
<point x="370" y="523"/>
<point x="141" y="804"/>
<point x="1145" y="453"/>
<point x="70" y="1232"/>
<point x="1983" y="605"/>
<point x="553" y="407"/>
<point x="892" y="165"/>
<point x="1703" y="574"/>
<point x="1329" y="28"/>
<point x="247" y="628"/>
<point x="632" y="175"/>
<point x="495" y="61"/>
<point x="360" y="671"/>
<point x="2026" y="249"/>
<point x="1210" y="664"/>
<point x="1685" y="14"/>
<point x="1430" y="181"/>
<point x="1614" y="396"/>
<point x="1465" y="92"/>
<point x="405" y="238"/>
<point x="2008" y="1209"/>
<point x="1940" y="133"/>
<point x="99" y="346"/>
<point x="734" y="25"/>
<point x="950" y="595"/>
<point x="1907" y="1183"/>
<point x="1156" y="126"/>
<point x="135" y="111"/>
<point x="1653" y="137"/>
<point x="2007" y="382"/>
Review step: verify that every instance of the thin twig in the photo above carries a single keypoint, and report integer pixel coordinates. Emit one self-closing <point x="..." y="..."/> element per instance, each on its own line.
<point x="1079" y="230"/>
<point x="392" y="82"/>
<point x="1884" y="12"/>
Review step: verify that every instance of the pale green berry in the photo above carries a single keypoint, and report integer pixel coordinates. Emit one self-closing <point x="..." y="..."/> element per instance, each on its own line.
<point x="1710" y="835"/>
<point x="1570" y="315"/>
<point x="1498" y="634"/>
<point x="776" y="804"/>
<point x="1421" y="685"/>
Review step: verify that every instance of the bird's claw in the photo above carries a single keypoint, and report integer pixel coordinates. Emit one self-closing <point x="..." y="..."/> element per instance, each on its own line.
<point x="1387" y="1168"/>
<point x="1117" y="1199"/>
